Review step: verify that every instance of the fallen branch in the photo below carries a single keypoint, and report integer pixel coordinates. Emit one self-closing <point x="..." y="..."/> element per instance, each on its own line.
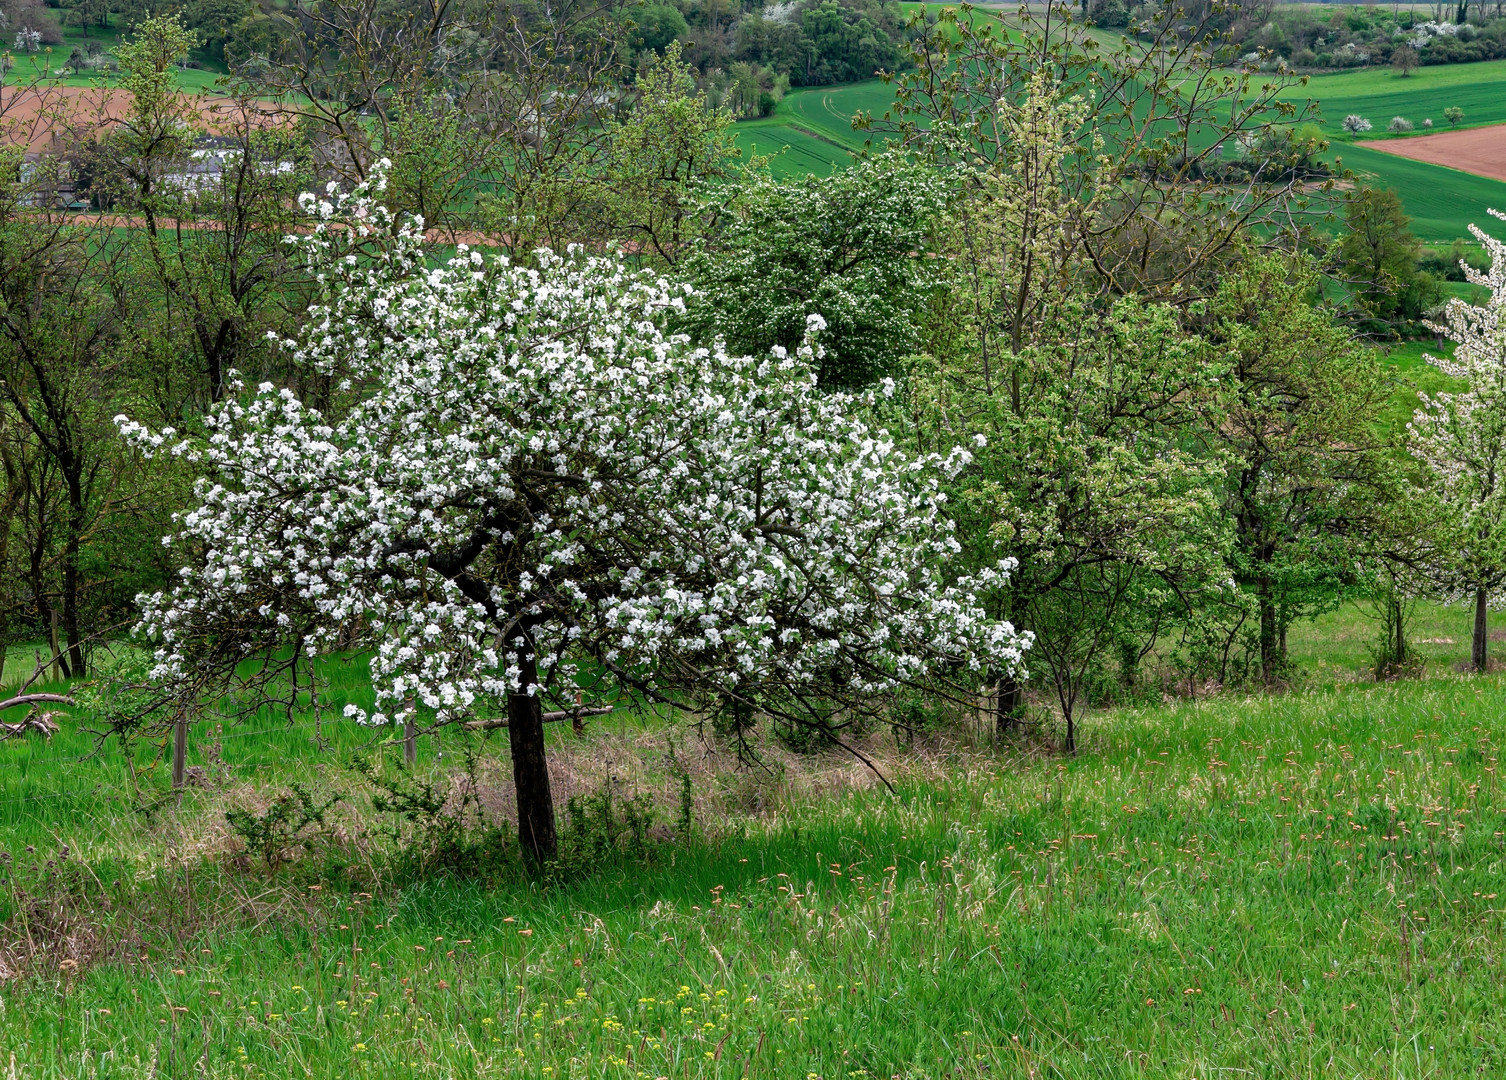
<point x="44" y="725"/>
<point x="548" y="718"/>
<point x="27" y="699"/>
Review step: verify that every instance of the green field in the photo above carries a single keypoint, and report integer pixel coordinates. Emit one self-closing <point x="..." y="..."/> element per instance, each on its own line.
<point x="1442" y="202"/>
<point x="44" y="68"/>
<point x="1379" y="94"/>
<point x="1304" y="885"/>
<point x="816" y="125"/>
<point x="811" y="130"/>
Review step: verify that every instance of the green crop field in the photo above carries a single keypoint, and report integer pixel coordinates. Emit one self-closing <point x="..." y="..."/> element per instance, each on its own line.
<point x="816" y="124"/>
<point x="1441" y="202"/>
<point x="795" y="152"/>
<point x="811" y="130"/>
<point x="47" y="67"/>
<point x="1307" y="885"/>
<point x="1379" y="94"/>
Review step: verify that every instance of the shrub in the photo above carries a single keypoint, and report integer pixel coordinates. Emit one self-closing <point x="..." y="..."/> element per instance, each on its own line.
<point x="292" y="821"/>
<point x="1445" y="264"/>
<point x="432" y="826"/>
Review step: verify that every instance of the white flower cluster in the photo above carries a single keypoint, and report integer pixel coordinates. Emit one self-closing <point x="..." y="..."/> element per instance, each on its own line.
<point x="1460" y="438"/>
<point x="1421" y="34"/>
<point x="528" y="467"/>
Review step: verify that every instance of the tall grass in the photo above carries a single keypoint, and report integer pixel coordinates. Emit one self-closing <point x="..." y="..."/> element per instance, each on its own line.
<point x="1301" y="885"/>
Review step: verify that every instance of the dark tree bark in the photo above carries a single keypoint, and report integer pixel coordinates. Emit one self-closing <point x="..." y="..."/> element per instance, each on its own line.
<point x="1478" y="647"/>
<point x="1270" y="643"/>
<point x="72" y="635"/>
<point x="1399" y="613"/>
<point x="530" y="767"/>
<point x="1007" y="708"/>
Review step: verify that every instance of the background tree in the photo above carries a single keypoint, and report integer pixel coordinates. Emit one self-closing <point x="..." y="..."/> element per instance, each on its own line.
<point x="1299" y="433"/>
<point x="82" y="511"/>
<point x="663" y="155"/>
<point x="1083" y="475"/>
<point x="1379" y="257"/>
<point x="850" y="247"/>
<point x="210" y="275"/>
<point x="1166" y="213"/>
<point x="1405" y="60"/>
<point x="1454" y="115"/>
<point x="1083" y="410"/>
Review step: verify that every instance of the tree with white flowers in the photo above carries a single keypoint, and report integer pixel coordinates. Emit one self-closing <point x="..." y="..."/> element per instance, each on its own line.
<point x="520" y="491"/>
<point x="1460" y="440"/>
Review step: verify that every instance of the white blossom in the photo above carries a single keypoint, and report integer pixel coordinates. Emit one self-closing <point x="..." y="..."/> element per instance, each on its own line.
<point x="1460" y="437"/>
<point x="537" y="470"/>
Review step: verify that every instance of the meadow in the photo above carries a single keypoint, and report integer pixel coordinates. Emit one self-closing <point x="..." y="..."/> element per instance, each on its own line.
<point x="816" y="126"/>
<point x="1442" y="202"/>
<point x="1298" y="885"/>
<point x="48" y="67"/>
<point x="1296" y="881"/>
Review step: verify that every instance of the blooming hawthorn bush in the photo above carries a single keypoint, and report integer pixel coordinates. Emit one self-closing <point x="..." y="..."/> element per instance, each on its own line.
<point x="532" y="492"/>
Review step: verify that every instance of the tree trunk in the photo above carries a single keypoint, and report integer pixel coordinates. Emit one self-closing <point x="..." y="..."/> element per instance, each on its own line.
<point x="71" y="635"/>
<point x="1071" y="746"/>
<point x="76" y="514"/>
<point x="530" y="768"/>
<point x="1478" y="657"/>
<point x="59" y="661"/>
<point x="1007" y="704"/>
<point x="1269" y="641"/>
<point x="180" y="752"/>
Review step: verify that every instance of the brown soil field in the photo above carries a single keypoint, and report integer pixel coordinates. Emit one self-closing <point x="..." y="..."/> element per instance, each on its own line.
<point x="31" y="116"/>
<point x="1481" y="150"/>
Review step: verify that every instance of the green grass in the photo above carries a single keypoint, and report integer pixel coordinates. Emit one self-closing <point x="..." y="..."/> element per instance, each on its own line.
<point x="816" y="125"/>
<point x="44" y="68"/>
<point x="1306" y="885"/>
<point x="1441" y="202"/>
<point x="1414" y="375"/>
<point x="795" y="152"/>
<point x="811" y="130"/>
<point x="1379" y="94"/>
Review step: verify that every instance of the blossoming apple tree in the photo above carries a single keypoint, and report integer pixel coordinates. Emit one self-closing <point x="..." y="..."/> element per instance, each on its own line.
<point x="1460" y="440"/>
<point x="514" y="489"/>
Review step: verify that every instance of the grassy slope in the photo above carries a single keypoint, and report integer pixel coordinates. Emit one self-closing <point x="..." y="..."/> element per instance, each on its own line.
<point x="816" y="123"/>
<point x="1297" y="886"/>
<point x="1380" y="94"/>
<point x="29" y="69"/>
